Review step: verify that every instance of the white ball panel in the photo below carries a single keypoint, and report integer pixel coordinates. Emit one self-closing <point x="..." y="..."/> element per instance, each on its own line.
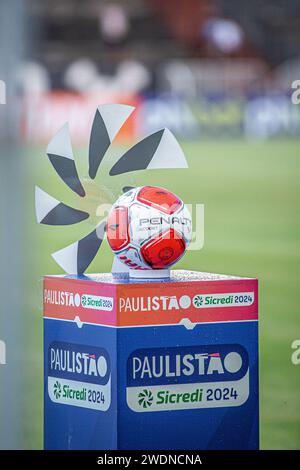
<point x="145" y="223"/>
<point x="127" y="198"/>
<point x="131" y="257"/>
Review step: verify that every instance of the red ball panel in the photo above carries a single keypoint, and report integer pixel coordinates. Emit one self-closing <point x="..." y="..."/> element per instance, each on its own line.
<point x="164" y="250"/>
<point x="117" y="228"/>
<point x="159" y="198"/>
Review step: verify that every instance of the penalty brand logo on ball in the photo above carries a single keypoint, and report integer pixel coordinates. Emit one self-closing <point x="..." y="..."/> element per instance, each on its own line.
<point x="187" y="378"/>
<point x="79" y="375"/>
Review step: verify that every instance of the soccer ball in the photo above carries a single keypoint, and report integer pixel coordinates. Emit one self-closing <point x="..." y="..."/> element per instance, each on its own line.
<point x="149" y="228"/>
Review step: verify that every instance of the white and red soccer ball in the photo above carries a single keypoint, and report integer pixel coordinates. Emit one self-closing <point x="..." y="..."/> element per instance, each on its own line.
<point x="149" y="228"/>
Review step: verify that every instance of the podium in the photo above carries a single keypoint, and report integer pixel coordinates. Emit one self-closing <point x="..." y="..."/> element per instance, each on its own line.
<point x="160" y="364"/>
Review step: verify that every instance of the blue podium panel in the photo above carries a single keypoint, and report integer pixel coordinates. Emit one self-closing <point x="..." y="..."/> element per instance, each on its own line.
<point x="151" y="365"/>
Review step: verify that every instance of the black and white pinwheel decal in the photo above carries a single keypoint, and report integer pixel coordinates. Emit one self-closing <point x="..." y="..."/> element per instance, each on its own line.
<point x="157" y="151"/>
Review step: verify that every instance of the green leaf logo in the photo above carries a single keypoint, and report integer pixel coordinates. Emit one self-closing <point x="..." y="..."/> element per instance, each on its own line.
<point x="145" y="398"/>
<point x="57" y="390"/>
<point x="198" y="301"/>
<point x="84" y="300"/>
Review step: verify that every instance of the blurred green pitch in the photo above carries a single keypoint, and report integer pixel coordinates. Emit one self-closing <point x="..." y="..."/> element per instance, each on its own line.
<point x="252" y="228"/>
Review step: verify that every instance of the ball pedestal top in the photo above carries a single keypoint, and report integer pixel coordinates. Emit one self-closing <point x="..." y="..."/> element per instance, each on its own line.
<point x="149" y="274"/>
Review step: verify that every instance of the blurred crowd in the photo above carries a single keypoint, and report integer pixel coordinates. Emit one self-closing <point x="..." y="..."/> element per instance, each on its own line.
<point x="143" y="46"/>
<point x="200" y="67"/>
